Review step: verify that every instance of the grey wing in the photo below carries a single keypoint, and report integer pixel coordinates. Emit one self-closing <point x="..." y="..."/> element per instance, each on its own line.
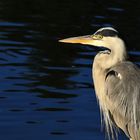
<point x="123" y="90"/>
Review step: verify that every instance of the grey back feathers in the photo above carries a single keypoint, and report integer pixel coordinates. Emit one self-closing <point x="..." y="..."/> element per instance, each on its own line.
<point x="124" y="92"/>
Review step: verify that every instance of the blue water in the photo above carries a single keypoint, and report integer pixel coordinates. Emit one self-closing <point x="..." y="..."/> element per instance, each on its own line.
<point x="46" y="88"/>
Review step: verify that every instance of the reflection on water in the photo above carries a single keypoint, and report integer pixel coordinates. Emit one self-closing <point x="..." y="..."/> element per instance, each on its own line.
<point x="46" y="87"/>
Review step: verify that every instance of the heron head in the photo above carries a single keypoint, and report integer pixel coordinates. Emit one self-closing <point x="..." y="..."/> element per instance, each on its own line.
<point x="107" y="38"/>
<point x="104" y="37"/>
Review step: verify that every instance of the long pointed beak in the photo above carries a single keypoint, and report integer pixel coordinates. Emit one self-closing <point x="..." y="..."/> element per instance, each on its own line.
<point x="81" y="39"/>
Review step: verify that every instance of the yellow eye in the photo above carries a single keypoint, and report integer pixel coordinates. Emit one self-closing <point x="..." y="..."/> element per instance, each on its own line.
<point x="98" y="37"/>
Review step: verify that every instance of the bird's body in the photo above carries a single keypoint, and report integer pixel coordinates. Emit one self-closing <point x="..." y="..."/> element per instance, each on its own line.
<point x="116" y="82"/>
<point x="119" y="97"/>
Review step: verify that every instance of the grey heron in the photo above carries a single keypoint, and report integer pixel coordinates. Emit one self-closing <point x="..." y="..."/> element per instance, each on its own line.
<point x="116" y="82"/>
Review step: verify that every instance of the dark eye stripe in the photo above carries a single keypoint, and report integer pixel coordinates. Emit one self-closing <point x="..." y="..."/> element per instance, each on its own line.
<point x="107" y="32"/>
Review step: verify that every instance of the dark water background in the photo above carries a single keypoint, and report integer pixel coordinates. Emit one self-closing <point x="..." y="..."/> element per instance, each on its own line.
<point x="46" y="90"/>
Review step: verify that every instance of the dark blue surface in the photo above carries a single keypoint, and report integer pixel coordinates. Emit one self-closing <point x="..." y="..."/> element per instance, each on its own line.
<point x="46" y="88"/>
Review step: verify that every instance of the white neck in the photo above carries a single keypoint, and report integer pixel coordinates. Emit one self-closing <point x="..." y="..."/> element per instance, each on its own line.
<point x="118" y="53"/>
<point x="118" y="50"/>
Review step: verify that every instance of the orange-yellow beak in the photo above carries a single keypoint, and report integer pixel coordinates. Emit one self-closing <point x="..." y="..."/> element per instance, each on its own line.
<point x="88" y="40"/>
